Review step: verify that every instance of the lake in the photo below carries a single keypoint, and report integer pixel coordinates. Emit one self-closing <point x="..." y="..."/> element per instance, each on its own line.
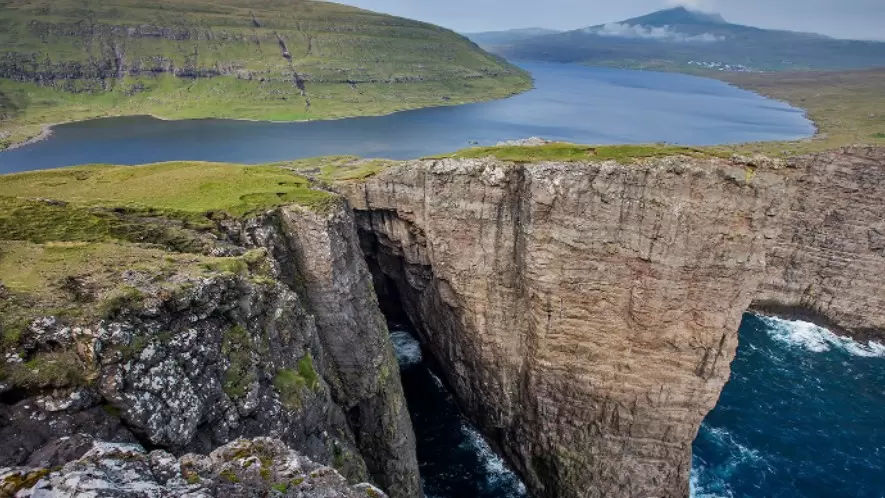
<point x="572" y="103"/>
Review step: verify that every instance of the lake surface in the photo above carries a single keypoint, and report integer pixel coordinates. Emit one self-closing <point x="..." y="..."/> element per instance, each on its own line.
<point x="803" y="415"/>
<point x="570" y="102"/>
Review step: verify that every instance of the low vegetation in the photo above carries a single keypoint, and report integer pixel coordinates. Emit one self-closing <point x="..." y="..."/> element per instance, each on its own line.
<point x="847" y="107"/>
<point x="188" y="188"/>
<point x="560" y="151"/>
<point x="291" y="384"/>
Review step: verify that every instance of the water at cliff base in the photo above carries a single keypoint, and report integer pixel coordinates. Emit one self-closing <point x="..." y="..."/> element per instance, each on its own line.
<point x="454" y="459"/>
<point x="803" y="415"/>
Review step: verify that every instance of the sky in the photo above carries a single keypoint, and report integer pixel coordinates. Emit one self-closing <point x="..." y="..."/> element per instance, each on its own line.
<point x="855" y="19"/>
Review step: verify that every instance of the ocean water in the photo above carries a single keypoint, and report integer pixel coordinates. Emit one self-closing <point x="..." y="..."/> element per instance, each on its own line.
<point x="570" y="102"/>
<point x="454" y="459"/>
<point x="803" y="415"/>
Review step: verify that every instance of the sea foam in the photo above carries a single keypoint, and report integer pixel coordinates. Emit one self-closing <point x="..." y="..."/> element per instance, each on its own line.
<point x="818" y="339"/>
<point x="406" y="347"/>
<point x="498" y="475"/>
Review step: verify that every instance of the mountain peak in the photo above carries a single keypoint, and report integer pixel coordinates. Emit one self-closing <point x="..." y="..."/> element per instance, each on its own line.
<point x="677" y="15"/>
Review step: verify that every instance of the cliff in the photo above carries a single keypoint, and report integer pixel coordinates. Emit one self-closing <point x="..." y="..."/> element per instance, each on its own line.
<point x="220" y="332"/>
<point x="582" y="302"/>
<point x="586" y="313"/>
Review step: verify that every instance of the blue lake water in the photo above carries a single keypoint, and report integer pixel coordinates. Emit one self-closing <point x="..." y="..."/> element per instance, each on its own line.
<point x="803" y="415"/>
<point x="570" y="102"/>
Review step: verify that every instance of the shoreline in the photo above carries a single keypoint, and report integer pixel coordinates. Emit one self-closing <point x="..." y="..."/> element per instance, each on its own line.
<point x="48" y="128"/>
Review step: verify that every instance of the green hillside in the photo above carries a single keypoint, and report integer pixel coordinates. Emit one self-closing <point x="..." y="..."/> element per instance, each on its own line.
<point x="282" y="60"/>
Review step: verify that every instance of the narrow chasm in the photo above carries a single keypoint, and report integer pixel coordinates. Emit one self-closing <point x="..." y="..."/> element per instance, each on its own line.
<point x="454" y="458"/>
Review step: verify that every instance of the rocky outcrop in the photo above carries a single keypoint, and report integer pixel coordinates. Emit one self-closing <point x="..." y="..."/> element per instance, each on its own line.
<point x="243" y="468"/>
<point x="195" y="361"/>
<point x="322" y="259"/>
<point x="586" y="314"/>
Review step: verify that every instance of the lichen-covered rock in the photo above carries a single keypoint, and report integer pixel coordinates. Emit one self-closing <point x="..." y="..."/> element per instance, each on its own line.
<point x="192" y="361"/>
<point x="243" y="468"/>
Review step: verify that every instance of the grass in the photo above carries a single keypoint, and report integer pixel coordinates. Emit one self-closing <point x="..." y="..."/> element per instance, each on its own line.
<point x="81" y="282"/>
<point x="351" y="62"/>
<point x="560" y="151"/>
<point x="847" y="107"/>
<point x="337" y="168"/>
<point x="193" y="188"/>
<point x="290" y="383"/>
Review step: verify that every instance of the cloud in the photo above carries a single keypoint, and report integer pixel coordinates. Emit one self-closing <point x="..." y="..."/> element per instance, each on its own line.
<point x="706" y="5"/>
<point x="660" y="33"/>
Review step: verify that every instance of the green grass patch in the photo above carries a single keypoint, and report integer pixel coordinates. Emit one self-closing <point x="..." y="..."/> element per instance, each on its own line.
<point x="338" y="168"/>
<point x="291" y="383"/>
<point x="186" y="187"/>
<point x="568" y="152"/>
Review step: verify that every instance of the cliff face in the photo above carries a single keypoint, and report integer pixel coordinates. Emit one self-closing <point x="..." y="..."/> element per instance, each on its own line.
<point x="828" y="261"/>
<point x="191" y="361"/>
<point x="586" y="314"/>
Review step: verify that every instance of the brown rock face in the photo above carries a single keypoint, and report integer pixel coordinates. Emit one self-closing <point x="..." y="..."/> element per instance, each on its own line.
<point x="587" y="314"/>
<point x="828" y="263"/>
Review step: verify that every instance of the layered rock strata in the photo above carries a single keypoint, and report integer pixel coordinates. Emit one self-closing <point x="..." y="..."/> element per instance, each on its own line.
<point x="586" y="314"/>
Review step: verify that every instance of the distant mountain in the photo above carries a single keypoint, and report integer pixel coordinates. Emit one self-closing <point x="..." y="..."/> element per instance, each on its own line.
<point x="492" y="38"/>
<point x="680" y="38"/>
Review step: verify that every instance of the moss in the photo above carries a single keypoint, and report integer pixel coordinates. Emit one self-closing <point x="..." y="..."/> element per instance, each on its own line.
<point x="290" y="383"/>
<point x="229" y="476"/>
<point x="561" y="151"/>
<point x="15" y="482"/>
<point x="192" y="478"/>
<point x="296" y="482"/>
<point x="240" y="374"/>
<point x="122" y="299"/>
<point x="46" y="370"/>
<point x="111" y="410"/>
<point x="280" y="487"/>
<point x="372" y="493"/>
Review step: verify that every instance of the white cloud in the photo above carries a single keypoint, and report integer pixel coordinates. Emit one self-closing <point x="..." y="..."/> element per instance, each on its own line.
<point x="661" y="33"/>
<point x="706" y="5"/>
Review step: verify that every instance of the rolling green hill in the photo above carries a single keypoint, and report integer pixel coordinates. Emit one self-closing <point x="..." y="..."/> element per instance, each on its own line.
<point x="682" y="39"/>
<point x="287" y="60"/>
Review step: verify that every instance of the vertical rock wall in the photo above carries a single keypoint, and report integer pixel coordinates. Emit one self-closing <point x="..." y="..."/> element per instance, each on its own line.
<point x="354" y="334"/>
<point x="828" y="263"/>
<point x="586" y="314"/>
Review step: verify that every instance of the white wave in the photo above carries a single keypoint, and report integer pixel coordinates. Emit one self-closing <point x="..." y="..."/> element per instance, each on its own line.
<point x="818" y="339"/>
<point x="698" y="487"/>
<point x="497" y="472"/>
<point x="406" y="347"/>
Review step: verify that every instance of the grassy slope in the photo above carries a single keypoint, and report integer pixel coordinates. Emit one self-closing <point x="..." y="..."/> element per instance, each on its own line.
<point x="847" y="107"/>
<point x="352" y="62"/>
<point x="83" y="227"/>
